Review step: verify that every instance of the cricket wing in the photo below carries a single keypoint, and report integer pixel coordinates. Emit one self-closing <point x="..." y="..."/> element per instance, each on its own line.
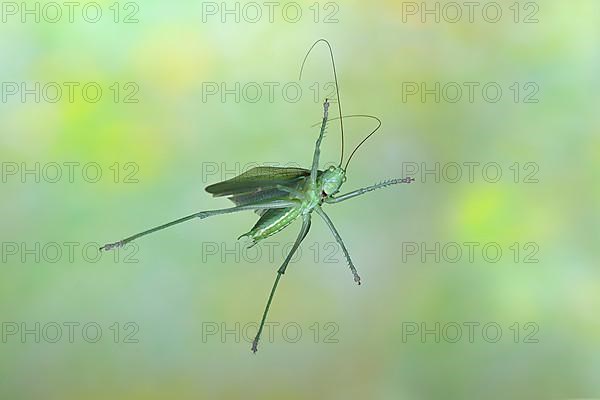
<point x="259" y="179"/>
<point x="259" y="184"/>
<point x="259" y="196"/>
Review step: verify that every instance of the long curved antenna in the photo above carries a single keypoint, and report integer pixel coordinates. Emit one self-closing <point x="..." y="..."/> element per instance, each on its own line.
<point x="365" y="139"/>
<point x="337" y="88"/>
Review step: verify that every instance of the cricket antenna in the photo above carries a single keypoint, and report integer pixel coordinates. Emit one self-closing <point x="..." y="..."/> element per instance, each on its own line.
<point x="337" y="88"/>
<point x="366" y="137"/>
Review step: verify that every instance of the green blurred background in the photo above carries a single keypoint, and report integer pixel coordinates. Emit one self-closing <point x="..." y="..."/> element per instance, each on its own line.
<point x="178" y="140"/>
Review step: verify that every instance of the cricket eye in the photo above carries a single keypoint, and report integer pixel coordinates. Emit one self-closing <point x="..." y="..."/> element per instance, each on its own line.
<point x="331" y="168"/>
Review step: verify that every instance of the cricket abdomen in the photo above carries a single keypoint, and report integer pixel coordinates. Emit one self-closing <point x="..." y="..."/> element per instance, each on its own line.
<point x="271" y="222"/>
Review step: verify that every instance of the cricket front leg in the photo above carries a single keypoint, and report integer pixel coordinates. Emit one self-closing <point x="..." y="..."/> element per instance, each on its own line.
<point x="280" y="272"/>
<point x="338" y="238"/>
<point x="359" y="192"/>
<point x="316" y="156"/>
<point x="201" y="215"/>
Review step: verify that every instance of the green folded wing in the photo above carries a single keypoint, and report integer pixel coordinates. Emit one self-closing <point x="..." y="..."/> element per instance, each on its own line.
<point x="259" y="179"/>
<point x="259" y="185"/>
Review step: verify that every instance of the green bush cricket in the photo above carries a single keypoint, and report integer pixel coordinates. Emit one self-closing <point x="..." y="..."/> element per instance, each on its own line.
<point x="282" y="195"/>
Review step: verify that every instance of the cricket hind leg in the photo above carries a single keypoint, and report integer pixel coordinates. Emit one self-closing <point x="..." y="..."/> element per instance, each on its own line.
<point x="367" y="189"/>
<point x="200" y="215"/>
<point x="338" y="238"/>
<point x="298" y="195"/>
<point x="303" y="232"/>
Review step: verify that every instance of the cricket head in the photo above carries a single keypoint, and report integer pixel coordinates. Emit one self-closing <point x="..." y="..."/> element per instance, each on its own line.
<point x="331" y="180"/>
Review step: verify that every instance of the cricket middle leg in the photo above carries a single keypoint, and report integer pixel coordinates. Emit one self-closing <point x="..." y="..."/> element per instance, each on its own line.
<point x="280" y="272"/>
